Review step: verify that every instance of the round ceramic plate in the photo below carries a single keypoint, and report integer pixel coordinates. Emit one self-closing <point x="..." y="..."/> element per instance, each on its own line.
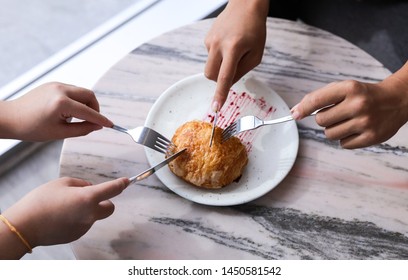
<point x="272" y="149"/>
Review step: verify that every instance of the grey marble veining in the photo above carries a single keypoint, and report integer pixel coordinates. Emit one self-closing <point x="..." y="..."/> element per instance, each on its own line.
<point x="334" y="203"/>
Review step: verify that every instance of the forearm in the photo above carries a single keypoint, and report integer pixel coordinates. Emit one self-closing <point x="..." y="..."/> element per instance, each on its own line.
<point x="397" y="84"/>
<point x="259" y="8"/>
<point x="7" y="120"/>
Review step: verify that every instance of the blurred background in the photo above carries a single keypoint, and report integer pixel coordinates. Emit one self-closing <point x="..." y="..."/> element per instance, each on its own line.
<point x="34" y="30"/>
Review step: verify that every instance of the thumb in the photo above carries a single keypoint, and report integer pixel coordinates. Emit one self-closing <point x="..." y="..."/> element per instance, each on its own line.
<point x="80" y="128"/>
<point x="109" y="189"/>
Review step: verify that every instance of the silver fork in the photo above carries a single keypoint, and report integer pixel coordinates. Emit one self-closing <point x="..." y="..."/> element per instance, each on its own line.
<point x="149" y="138"/>
<point x="251" y="122"/>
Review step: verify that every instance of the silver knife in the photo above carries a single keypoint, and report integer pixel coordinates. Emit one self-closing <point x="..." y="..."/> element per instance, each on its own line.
<point x="150" y="171"/>
<point x="213" y="127"/>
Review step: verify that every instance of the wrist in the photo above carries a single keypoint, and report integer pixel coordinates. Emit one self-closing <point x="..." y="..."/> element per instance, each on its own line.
<point x="396" y="87"/>
<point x="259" y="8"/>
<point x="13" y="244"/>
<point x="7" y="120"/>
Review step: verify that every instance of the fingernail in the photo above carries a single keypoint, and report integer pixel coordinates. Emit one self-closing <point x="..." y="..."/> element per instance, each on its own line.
<point x="127" y="182"/>
<point x="295" y="113"/>
<point x="215" y="106"/>
<point x="294" y="108"/>
<point x="109" y="123"/>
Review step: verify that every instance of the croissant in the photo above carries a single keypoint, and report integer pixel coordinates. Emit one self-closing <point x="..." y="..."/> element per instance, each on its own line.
<point x="204" y="166"/>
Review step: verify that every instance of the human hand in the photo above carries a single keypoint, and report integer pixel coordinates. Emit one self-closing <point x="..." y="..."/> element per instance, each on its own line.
<point x="235" y="45"/>
<point x="63" y="210"/>
<point x="364" y="114"/>
<point x="42" y="113"/>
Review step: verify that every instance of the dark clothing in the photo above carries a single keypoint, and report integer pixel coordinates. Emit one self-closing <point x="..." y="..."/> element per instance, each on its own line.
<point x="380" y="27"/>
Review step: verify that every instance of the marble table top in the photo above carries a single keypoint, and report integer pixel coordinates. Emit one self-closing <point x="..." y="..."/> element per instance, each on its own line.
<point x="333" y="204"/>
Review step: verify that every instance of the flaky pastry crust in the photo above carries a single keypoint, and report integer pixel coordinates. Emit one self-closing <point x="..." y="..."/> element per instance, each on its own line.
<point x="204" y="166"/>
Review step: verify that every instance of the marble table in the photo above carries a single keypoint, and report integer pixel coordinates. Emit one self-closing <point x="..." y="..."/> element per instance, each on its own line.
<point x="333" y="204"/>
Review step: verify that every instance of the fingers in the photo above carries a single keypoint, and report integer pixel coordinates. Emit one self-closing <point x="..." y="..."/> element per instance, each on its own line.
<point x="353" y="133"/>
<point x="97" y="197"/>
<point x="353" y="119"/>
<point x="356" y="141"/>
<point x="105" y="191"/>
<point x="78" y="129"/>
<point x="81" y="111"/>
<point x="83" y="95"/>
<point x="328" y="95"/>
<point x="110" y="189"/>
<point x="101" y="194"/>
<point x="335" y="114"/>
<point x="74" y="182"/>
<point x="225" y="80"/>
<point x="246" y="64"/>
<point x="337" y="119"/>
<point x="230" y="71"/>
<point x="212" y="67"/>
<point x="341" y="130"/>
<point x="81" y="104"/>
<point x="105" y="209"/>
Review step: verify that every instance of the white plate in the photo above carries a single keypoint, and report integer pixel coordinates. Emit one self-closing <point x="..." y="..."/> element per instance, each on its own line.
<point x="272" y="152"/>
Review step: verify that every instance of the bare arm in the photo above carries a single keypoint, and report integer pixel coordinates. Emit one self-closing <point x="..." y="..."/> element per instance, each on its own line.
<point x="235" y="44"/>
<point x="42" y="113"/>
<point x="60" y="211"/>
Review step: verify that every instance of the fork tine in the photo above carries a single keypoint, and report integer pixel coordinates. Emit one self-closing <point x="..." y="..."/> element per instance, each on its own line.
<point x="225" y="133"/>
<point x="160" y="149"/>
<point x="226" y="137"/>
<point x="164" y="144"/>
<point x="230" y="128"/>
<point x="163" y="139"/>
<point x="161" y="144"/>
<point x="149" y="138"/>
<point x="229" y="132"/>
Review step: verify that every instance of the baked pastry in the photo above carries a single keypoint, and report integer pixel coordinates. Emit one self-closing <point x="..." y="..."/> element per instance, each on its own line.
<point x="204" y="166"/>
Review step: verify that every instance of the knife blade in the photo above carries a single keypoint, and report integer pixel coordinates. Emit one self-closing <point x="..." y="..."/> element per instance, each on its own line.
<point x="213" y="127"/>
<point x="153" y="169"/>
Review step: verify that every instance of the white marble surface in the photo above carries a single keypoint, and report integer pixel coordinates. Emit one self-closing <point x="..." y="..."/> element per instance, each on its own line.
<point x="334" y="204"/>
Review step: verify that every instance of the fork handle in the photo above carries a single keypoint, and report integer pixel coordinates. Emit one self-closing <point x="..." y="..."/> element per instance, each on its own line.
<point x="287" y="118"/>
<point x="279" y="120"/>
<point x="119" y="128"/>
